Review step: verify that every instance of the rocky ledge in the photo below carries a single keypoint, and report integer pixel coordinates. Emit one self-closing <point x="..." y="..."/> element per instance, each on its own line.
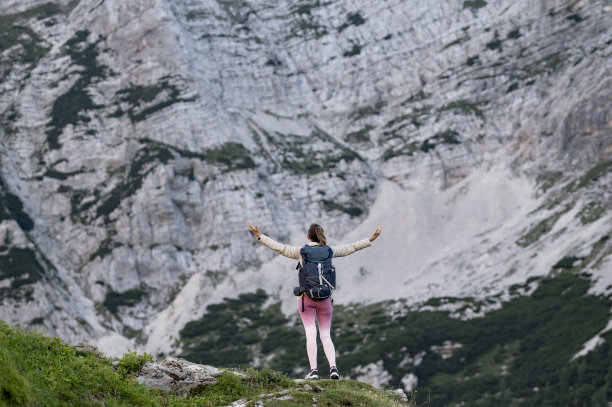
<point x="175" y="375"/>
<point x="178" y="376"/>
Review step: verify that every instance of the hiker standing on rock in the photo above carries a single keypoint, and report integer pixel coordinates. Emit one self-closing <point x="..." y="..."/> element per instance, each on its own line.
<point x="317" y="278"/>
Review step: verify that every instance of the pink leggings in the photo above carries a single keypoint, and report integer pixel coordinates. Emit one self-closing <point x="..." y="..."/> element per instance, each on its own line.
<point x="323" y="311"/>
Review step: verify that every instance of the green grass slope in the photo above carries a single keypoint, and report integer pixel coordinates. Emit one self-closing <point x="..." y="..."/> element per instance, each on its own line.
<point x="37" y="370"/>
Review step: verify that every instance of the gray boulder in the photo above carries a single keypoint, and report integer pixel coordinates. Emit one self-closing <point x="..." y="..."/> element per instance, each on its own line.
<point x="177" y="376"/>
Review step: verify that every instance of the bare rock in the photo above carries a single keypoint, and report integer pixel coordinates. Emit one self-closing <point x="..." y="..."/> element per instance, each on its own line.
<point x="401" y="396"/>
<point x="177" y="376"/>
<point x="85" y="348"/>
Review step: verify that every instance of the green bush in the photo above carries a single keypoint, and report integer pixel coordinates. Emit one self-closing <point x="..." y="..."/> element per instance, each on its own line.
<point x="464" y="107"/>
<point x="143" y="101"/>
<point x="355" y="50"/>
<point x="234" y="156"/>
<point x="539" y="230"/>
<point x="351" y="19"/>
<point x="514" y="34"/>
<point x="496" y="43"/>
<point x="71" y="107"/>
<point x="267" y="376"/>
<point x="128" y="298"/>
<point x="359" y="136"/>
<point x="365" y="111"/>
<point x="444" y="137"/>
<point x="474" y="4"/>
<point x="14" y="33"/>
<point x="132" y="362"/>
<point x="472" y="60"/>
<point x="22" y="266"/>
<point x="38" y="370"/>
<point x="352" y="211"/>
<point x="11" y="207"/>
<point x="565" y="263"/>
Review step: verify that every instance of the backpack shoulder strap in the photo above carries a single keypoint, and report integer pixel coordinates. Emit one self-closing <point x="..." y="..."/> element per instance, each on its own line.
<point x="303" y="255"/>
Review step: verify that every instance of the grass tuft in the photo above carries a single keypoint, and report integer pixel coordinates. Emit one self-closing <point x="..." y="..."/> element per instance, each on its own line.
<point x="132" y="362"/>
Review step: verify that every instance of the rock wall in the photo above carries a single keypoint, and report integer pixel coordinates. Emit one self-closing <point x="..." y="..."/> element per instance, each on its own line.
<point x="138" y="137"/>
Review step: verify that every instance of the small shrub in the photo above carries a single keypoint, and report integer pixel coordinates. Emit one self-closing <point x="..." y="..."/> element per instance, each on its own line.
<point x="591" y="212"/>
<point x="359" y="136"/>
<point x="575" y="18"/>
<point x="11" y="207"/>
<point x="514" y="34"/>
<point x="106" y="248"/>
<point x="365" y="111"/>
<point x="267" y="376"/>
<point x="539" y="230"/>
<point x="474" y="4"/>
<point x="234" y="156"/>
<point x="132" y="362"/>
<point x="356" y="50"/>
<point x="595" y="173"/>
<point x="472" y="60"/>
<point x="548" y="64"/>
<point x="231" y="385"/>
<point x="355" y="18"/>
<point x="496" y="43"/>
<point x="128" y="298"/>
<point x="22" y="266"/>
<point x="456" y="42"/>
<point x="513" y="87"/>
<point x="444" y="137"/>
<point x="70" y="107"/>
<point x="566" y="262"/>
<point x="547" y="179"/>
<point x="464" y="106"/>
<point x="352" y="19"/>
<point x="417" y="97"/>
<point x="143" y="101"/>
<point x="352" y="211"/>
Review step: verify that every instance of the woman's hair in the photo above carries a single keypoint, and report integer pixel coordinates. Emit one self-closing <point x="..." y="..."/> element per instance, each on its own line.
<point x="316" y="234"/>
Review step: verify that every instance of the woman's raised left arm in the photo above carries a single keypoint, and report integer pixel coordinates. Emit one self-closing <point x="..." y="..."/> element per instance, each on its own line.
<point x="345" y="250"/>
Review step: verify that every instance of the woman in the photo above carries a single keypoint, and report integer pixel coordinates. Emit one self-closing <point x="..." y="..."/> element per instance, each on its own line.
<point x="309" y="309"/>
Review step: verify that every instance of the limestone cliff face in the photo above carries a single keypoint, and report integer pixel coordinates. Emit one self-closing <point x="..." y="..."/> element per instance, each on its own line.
<point x="138" y="137"/>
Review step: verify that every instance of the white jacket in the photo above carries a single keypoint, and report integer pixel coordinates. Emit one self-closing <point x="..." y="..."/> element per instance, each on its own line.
<point x="293" y="252"/>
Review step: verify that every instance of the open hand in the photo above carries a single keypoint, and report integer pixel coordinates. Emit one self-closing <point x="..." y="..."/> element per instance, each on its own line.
<point x="255" y="231"/>
<point x="375" y="234"/>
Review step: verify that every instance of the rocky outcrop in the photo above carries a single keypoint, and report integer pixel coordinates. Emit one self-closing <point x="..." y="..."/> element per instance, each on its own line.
<point x="177" y="376"/>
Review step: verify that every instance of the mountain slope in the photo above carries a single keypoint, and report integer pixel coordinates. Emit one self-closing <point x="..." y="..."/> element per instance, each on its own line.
<point x="137" y="138"/>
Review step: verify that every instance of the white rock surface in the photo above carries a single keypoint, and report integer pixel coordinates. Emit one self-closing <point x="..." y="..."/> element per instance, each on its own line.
<point x="410" y="382"/>
<point x="373" y="373"/>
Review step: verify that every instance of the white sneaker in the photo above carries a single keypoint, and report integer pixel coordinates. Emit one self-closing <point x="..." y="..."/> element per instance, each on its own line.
<point x="312" y="375"/>
<point x="333" y="373"/>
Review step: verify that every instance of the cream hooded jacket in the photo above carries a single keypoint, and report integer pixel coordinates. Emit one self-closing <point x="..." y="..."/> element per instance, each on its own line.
<point x="293" y="252"/>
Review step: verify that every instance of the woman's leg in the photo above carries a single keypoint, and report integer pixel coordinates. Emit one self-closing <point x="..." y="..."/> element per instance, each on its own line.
<point x="325" y="312"/>
<point x="310" y="327"/>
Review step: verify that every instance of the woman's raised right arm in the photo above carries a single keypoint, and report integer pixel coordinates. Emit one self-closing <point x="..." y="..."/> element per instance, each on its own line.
<point x="293" y="252"/>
